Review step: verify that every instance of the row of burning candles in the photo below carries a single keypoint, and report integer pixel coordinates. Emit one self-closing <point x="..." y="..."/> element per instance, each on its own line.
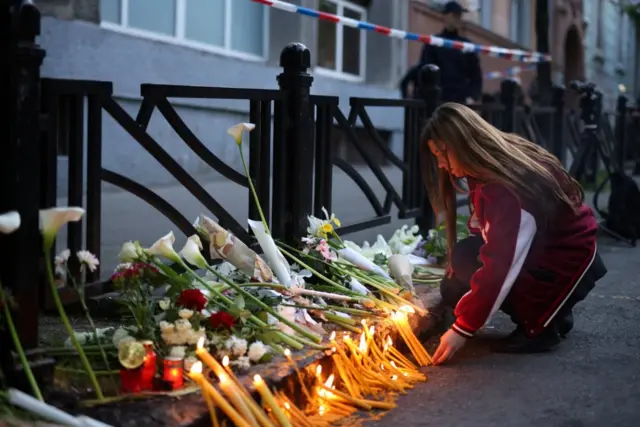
<point x="363" y="369"/>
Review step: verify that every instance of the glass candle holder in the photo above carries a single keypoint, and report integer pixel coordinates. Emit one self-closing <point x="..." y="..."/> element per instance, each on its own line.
<point x="131" y="381"/>
<point x="149" y="366"/>
<point x="173" y="371"/>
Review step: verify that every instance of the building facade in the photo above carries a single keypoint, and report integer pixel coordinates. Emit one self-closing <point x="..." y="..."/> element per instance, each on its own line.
<point x="612" y="49"/>
<point x="511" y="24"/>
<point x="228" y="43"/>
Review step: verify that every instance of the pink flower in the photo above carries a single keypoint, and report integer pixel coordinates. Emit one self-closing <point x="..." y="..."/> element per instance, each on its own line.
<point x="325" y="250"/>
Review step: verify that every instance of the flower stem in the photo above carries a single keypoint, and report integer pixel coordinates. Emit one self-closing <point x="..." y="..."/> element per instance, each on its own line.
<point x="253" y="191"/>
<point x="67" y="324"/>
<point x="320" y="275"/>
<point x="283" y="337"/>
<point x="18" y="345"/>
<point x="258" y="301"/>
<point x="87" y="314"/>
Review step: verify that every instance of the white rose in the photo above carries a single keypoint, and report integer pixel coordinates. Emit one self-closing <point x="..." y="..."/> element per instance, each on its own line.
<point x="185" y="313"/>
<point x="177" y="352"/>
<point x="194" y="336"/>
<point x="164" y="304"/>
<point x="166" y="326"/>
<point x="256" y="351"/>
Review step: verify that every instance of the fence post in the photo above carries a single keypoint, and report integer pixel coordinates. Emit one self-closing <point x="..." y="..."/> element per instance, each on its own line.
<point x="508" y="93"/>
<point x="620" y="148"/>
<point x="558" y="146"/>
<point x="429" y="89"/>
<point x="20" y="268"/>
<point x="293" y="156"/>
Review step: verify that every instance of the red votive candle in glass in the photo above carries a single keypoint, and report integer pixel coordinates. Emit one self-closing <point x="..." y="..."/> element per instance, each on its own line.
<point x="173" y="371"/>
<point x="131" y="381"/>
<point x="149" y="366"/>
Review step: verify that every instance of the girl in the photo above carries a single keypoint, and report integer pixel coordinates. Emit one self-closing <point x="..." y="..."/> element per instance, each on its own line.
<point x="532" y="252"/>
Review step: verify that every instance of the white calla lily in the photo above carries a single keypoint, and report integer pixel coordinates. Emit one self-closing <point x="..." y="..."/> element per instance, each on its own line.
<point x="191" y="252"/>
<point x="237" y="131"/>
<point x="128" y="252"/>
<point x="9" y="222"/>
<point x="163" y="247"/>
<point x="52" y="220"/>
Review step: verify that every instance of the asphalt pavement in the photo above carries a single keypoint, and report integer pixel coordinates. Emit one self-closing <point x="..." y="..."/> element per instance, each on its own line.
<point x="591" y="379"/>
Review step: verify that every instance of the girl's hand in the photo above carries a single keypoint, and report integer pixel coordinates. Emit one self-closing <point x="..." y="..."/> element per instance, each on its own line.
<point x="450" y="343"/>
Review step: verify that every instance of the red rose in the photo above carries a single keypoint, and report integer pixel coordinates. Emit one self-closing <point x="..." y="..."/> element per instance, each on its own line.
<point x="222" y="320"/>
<point x="192" y="299"/>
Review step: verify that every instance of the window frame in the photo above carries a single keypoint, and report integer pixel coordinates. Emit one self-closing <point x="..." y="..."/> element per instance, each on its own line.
<point x="520" y="28"/>
<point x="337" y="73"/>
<point x="179" y="39"/>
<point x="486" y="14"/>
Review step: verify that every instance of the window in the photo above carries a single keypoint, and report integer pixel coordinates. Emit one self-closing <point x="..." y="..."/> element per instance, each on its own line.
<point x="622" y="28"/>
<point x="519" y="22"/>
<point x="202" y="24"/>
<point x="341" y="50"/>
<point x="486" y="14"/>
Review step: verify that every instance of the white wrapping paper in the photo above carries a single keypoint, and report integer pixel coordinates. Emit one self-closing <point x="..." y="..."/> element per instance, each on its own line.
<point x="356" y="259"/>
<point x="273" y="255"/>
<point x="401" y="269"/>
<point x="226" y="246"/>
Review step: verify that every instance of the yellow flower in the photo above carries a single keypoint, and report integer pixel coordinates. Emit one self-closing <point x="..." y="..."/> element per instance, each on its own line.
<point x="326" y="228"/>
<point x="336" y="221"/>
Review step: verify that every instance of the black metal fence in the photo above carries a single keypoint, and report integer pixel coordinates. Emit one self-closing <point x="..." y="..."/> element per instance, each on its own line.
<point x="290" y="152"/>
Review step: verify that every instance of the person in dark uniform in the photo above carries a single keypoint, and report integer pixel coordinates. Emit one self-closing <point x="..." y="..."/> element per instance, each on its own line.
<point x="460" y="72"/>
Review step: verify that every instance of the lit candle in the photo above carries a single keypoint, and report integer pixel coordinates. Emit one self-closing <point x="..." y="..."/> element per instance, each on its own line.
<point x="208" y="359"/>
<point x="173" y="371"/>
<point x="260" y="415"/>
<point x="196" y="375"/>
<point x="149" y="365"/>
<point x="305" y="390"/>
<point x="236" y="397"/>
<point x="270" y="401"/>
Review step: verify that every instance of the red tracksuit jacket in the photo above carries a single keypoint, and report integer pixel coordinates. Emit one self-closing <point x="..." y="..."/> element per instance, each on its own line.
<point x="515" y="249"/>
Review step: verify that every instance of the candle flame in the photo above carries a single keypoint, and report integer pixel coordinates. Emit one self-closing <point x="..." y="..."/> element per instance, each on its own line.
<point x="382" y="366"/>
<point x="225" y="361"/>
<point x="393" y="364"/>
<point x="332" y="336"/>
<point x="287" y="352"/>
<point x="364" y="322"/>
<point x="318" y="370"/>
<point x="347" y="337"/>
<point x="329" y="381"/>
<point x="394" y="377"/>
<point x="224" y="378"/>
<point x="333" y="349"/>
<point x="389" y="341"/>
<point x="200" y="343"/>
<point x="385" y="348"/>
<point x="363" y="343"/>
<point x="372" y="330"/>
<point x="196" y="368"/>
<point x="257" y="379"/>
<point x="322" y="409"/>
<point x="286" y="404"/>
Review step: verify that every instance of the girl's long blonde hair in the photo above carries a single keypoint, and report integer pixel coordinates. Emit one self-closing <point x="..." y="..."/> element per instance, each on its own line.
<point x="489" y="155"/>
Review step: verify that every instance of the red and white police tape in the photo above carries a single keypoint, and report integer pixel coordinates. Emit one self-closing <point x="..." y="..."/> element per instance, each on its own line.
<point x="498" y="52"/>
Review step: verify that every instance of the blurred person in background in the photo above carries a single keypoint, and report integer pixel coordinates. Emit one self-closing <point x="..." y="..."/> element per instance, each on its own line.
<point x="460" y="72"/>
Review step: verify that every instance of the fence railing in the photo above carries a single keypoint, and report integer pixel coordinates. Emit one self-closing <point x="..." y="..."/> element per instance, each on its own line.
<point x="291" y="153"/>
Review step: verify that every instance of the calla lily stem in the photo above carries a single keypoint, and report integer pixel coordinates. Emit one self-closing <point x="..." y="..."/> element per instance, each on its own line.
<point x="18" y="345"/>
<point x="253" y="191"/>
<point x="67" y="325"/>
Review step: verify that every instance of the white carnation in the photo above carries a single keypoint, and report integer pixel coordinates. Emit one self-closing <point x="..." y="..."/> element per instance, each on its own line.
<point x="118" y="336"/>
<point x="238" y="346"/>
<point x="256" y="351"/>
<point x="182" y="325"/>
<point x="241" y="363"/>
